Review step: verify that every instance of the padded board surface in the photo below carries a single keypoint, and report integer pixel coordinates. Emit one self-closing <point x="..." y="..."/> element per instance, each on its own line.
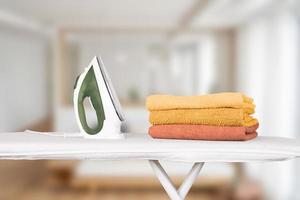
<point x="29" y="145"/>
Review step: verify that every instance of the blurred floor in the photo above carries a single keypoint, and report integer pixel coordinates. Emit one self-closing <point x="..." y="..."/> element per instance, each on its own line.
<point x="19" y="177"/>
<point x="111" y="194"/>
<point x="29" y="180"/>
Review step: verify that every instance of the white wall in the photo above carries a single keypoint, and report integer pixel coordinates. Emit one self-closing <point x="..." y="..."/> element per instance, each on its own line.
<point x="23" y="78"/>
<point x="215" y="74"/>
<point x="127" y="58"/>
<point x="267" y="70"/>
<point x="214" y="61"/>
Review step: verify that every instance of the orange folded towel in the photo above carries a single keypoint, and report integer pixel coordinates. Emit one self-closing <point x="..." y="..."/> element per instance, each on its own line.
<point x="212" y="117"/>
<point x="203" y="132"/>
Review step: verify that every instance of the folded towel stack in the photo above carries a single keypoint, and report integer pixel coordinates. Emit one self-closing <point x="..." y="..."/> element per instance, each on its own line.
<point x="222" y="116"/>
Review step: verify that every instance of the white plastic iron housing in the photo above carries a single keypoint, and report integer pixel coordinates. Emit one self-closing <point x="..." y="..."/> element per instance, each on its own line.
<point x="95" y="84"/>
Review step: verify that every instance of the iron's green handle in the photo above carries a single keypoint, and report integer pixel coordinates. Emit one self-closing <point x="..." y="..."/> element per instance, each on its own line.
<point x="89" y="89"/>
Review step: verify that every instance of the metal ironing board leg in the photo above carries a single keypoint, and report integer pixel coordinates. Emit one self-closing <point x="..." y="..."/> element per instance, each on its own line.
<point x="167" y="184"/>
<point x="190" y="179"/>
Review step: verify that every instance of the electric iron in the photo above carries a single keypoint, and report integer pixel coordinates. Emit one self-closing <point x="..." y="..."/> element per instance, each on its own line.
<point x="95" y="84"/>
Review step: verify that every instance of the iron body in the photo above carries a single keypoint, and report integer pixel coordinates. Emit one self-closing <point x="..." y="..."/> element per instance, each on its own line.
<point x="95" y="84"/>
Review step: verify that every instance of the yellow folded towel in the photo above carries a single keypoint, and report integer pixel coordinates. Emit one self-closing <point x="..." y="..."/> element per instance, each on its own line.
<point x="216" y="116"/>
<point x="219" y="100"/>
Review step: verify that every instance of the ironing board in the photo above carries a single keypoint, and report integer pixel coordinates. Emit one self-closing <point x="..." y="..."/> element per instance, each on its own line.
<point x="33" y="146"/>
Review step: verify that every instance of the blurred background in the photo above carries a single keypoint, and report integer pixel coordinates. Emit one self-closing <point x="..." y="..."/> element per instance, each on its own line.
<point x="181" y="47"/>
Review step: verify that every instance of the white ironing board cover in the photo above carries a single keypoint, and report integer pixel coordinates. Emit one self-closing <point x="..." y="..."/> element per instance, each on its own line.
<point x="32" y="146"/>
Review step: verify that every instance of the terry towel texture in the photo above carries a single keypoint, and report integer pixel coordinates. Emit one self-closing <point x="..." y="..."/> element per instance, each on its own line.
<point x="203" y="132"/>
<point x="222" y="116"/>
<point x="218" y="117"/>
<point x="219" y="100"/>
